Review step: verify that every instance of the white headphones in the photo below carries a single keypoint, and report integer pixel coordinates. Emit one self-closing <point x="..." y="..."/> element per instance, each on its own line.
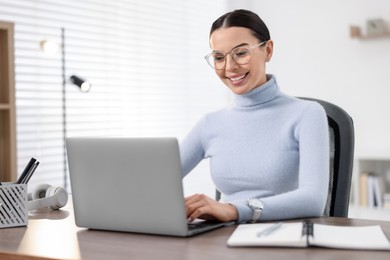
<point x="46" y="195"/>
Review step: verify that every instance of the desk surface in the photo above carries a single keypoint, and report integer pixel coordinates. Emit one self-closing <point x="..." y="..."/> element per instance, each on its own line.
<point x="53" y="235"/>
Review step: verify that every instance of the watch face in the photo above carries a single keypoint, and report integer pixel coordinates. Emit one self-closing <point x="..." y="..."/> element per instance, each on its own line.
<point x="255" y="203"/>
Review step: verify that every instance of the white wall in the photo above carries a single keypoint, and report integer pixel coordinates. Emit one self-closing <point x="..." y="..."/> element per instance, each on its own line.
<point x="315" y="56"/>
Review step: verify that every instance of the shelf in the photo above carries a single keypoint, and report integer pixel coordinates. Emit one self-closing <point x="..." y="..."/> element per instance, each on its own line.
<point x="368" y="213"/>
<point x="374" y="156"/>
<point x="4" y="106"/>
<point x="370" y="183"/>
<point x="355" y="32"/>
<point x="7" y="104"/>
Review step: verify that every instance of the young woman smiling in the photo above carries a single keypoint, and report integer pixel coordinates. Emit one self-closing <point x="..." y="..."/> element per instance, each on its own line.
<point x="269" y="152"/>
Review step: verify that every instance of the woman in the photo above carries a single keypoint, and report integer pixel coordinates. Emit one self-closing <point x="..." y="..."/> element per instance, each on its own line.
<point x="269" y="152"/>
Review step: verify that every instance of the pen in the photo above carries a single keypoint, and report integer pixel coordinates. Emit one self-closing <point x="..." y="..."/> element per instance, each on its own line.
<point x="26" y="170"/>
<point x="269" y="229"/>
<point x="30" y="173"/>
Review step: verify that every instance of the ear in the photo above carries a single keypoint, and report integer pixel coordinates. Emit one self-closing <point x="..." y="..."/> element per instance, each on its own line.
<point x="269" y="48"/>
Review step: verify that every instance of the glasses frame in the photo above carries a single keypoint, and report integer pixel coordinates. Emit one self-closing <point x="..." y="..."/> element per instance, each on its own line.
<point x="250" y="48"/>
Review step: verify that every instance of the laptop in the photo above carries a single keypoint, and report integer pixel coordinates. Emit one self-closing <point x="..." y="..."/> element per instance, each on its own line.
<point x="130" y="185"/>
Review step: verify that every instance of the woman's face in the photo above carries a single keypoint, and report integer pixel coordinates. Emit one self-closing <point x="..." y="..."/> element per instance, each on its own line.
<point x="241" y="79"/>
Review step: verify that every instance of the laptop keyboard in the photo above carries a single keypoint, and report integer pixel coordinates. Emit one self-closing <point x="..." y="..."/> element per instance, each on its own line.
<point x="201" y="224"/>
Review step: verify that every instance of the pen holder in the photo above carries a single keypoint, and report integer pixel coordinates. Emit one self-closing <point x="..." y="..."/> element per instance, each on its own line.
<point x="13" y="205"/>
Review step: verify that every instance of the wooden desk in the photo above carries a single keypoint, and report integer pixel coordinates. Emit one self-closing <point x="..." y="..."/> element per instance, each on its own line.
<point x="53" y="234"/>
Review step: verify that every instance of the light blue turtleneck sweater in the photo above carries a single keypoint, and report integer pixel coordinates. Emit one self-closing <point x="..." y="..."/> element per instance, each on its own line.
<point x="265" y="145"/>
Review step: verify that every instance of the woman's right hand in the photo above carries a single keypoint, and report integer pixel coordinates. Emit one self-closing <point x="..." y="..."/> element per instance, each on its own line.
<point x="202" y="207"/>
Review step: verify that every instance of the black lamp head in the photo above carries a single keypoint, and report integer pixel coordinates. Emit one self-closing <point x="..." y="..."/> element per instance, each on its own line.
<point x="84" y="85"/>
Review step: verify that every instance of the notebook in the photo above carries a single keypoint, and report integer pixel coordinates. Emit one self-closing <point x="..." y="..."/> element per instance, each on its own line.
<point x="130" y="185"/>
<point x="307" y="234"/>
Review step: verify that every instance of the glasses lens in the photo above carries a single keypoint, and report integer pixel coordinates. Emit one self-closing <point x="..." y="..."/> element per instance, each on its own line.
<point x="241" y="55"/>
<point x="217" y="60"/>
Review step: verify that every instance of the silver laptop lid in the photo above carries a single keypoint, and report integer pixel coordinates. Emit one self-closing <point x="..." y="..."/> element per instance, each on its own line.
<point x="127" y="184"/>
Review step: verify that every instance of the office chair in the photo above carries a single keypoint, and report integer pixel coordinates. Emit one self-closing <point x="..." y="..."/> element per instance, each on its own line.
<point x="341" y="144"/>
<point x="341" y="148"/>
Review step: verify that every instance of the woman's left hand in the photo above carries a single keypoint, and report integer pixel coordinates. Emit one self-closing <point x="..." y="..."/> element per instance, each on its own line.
<point x="203" y="207"/>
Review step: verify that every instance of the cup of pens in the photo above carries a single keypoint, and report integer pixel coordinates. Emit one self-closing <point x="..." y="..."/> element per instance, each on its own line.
<point x="13" y="198"/>
<point x="13" y="205"/>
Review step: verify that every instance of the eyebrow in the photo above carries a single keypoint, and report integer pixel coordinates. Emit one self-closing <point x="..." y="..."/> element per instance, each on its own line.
<point x="239" y="45"/>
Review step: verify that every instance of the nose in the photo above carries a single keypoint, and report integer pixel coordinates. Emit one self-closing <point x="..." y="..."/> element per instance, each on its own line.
<point x="230" y="63"/>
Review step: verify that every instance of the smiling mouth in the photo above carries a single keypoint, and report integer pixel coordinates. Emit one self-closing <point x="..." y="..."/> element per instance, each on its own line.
<point x="236" y="79"/>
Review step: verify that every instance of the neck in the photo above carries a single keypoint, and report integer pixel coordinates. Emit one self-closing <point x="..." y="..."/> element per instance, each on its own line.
<point x="262" y="94"/>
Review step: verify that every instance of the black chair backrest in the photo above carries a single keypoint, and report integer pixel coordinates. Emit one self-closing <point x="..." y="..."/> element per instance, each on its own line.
<point x="341" y="142"/>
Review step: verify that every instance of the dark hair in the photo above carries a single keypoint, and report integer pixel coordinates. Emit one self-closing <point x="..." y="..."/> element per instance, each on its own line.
<point x="243" y="18"/>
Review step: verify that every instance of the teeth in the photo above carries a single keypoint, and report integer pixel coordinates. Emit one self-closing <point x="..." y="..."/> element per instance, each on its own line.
<point x="238" y="78"/>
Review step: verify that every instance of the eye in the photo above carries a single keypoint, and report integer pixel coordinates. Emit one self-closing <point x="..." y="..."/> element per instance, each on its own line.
<point x="241" y="52"/>
<point x="218" y="57"/>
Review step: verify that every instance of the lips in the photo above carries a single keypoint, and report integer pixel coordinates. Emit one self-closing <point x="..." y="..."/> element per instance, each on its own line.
<point x="237" y="79"/>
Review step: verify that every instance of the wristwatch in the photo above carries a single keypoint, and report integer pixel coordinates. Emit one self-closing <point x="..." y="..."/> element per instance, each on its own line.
<point x="257" y="206"/>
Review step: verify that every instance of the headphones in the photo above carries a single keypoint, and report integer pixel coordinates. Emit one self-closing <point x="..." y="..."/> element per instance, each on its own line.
<point x="46" y="195"/>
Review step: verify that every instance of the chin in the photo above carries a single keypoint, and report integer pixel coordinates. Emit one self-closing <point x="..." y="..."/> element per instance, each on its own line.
<point x="239" y="90"/>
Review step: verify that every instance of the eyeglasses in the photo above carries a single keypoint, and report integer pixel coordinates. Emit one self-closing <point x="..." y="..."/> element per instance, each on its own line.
<point x="240" y="55"/>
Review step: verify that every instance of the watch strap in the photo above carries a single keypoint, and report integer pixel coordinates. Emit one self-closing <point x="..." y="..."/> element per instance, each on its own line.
<point x="256" y="215"/>
<point x="257" y="208"/>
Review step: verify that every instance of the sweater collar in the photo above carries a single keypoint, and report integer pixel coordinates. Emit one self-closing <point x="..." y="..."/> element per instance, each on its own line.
<point x="259" y="95"/>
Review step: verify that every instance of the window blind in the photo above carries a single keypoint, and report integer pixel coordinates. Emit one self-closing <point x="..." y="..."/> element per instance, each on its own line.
<point x="144" y="60"/>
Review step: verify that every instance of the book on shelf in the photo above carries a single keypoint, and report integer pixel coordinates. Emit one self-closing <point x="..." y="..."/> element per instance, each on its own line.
<point x="370" y="194"/>
<point x="307" y="234"/>
<point x="363" y="193"/>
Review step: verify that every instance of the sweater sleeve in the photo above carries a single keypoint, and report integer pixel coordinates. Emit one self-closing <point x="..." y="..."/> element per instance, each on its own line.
<point x="191" y="148"/>
<point x="309" y="198"/>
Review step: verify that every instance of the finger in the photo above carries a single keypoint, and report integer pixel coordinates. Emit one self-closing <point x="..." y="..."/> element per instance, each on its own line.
<point x="198" y="205"/>
<point x="215" y="211"/>
<point x="192" y="206"/>
<point x="202" y="207"/>
<point x="196" y="198"/>
<point x="201" y="213"/>
<point x="193" y="197"/>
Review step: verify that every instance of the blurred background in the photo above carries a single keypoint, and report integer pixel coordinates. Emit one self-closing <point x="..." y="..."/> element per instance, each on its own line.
<point x="145" y="62"/>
